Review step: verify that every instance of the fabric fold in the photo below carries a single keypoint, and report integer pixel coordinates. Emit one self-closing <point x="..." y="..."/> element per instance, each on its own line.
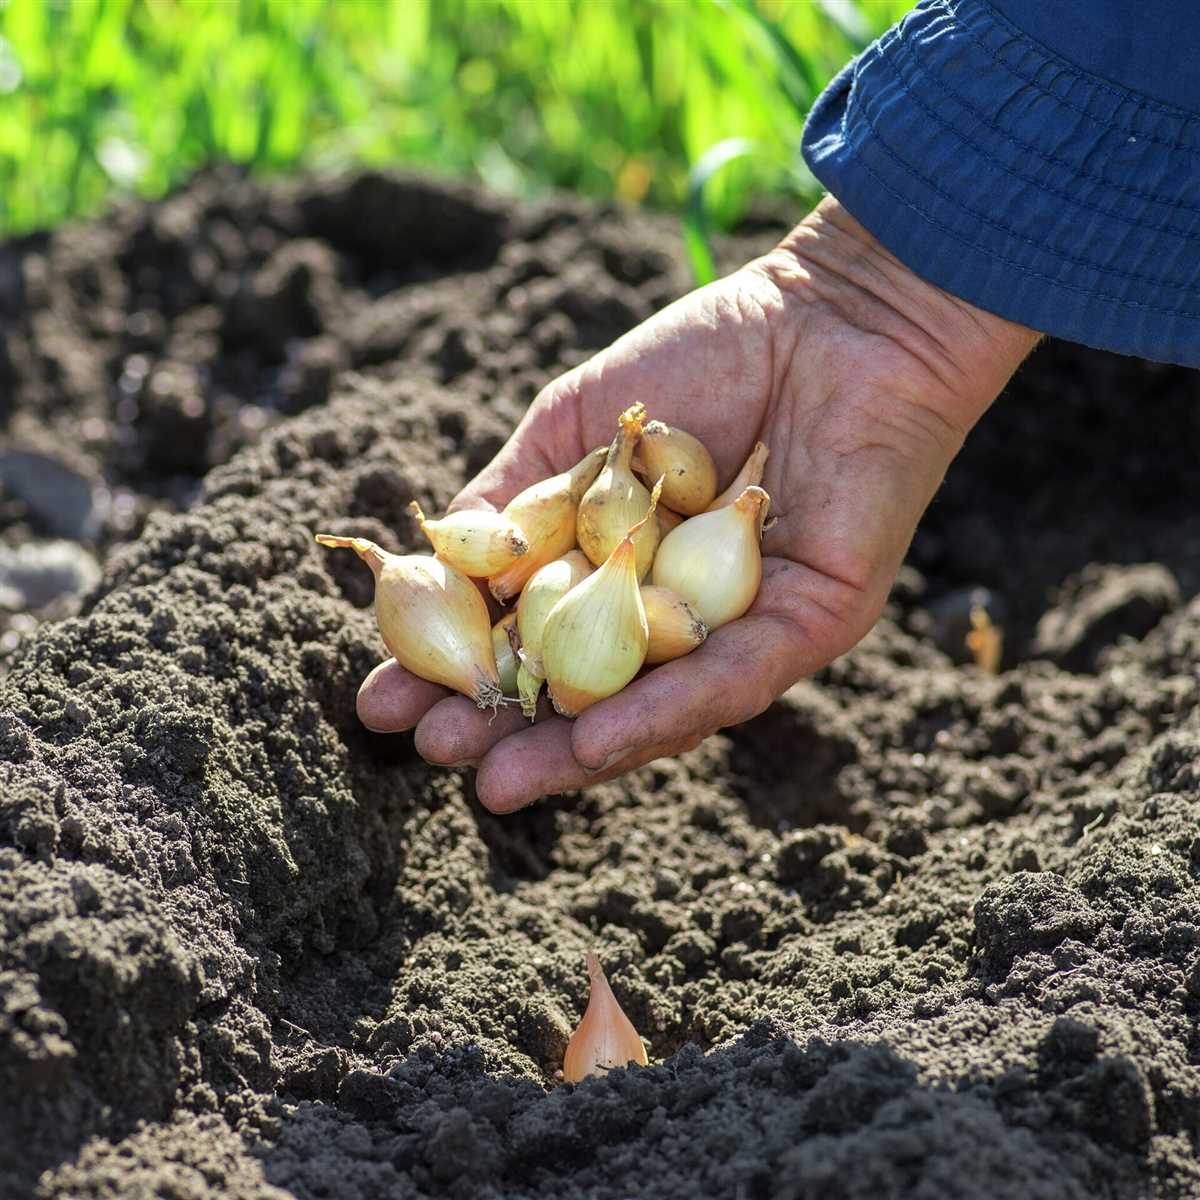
<point x="1016" y="180"/>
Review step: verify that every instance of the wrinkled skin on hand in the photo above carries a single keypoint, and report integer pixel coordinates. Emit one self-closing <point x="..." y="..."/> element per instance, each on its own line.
<point x="862" y="380"/>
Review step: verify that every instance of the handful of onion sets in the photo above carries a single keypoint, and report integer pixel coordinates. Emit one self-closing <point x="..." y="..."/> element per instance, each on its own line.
<point x="627" y="560"/>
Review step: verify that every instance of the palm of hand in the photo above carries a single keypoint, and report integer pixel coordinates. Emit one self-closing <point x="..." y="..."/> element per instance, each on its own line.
<point x="861" y="418"/>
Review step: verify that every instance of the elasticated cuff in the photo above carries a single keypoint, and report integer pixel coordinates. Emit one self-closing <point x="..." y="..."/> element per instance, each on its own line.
<point x="1001" y="172"/>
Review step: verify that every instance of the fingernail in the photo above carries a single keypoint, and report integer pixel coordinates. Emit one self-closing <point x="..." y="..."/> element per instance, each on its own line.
<point x="473" y="763"/>
<point x="615" y="756"/>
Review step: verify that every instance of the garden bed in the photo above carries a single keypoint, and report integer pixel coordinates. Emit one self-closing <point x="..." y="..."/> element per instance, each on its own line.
<point x="915" y="931"/>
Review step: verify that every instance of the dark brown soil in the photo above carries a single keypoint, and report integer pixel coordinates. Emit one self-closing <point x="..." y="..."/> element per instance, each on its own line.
<point x="915" y="932"/>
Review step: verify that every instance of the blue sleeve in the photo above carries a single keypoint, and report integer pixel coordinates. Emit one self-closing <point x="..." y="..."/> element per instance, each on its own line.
<point x="1038" y="158"/>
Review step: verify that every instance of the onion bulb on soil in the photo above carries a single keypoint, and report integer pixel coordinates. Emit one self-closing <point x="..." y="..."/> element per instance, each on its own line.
<point x="546" y="514"/>
<point x="433" y="619"/>
<point x="688" y="472"/>
<point x="547" y="587"/>
<point x="675" y="627"/>
<point x="507" y="661"/>
<point x="714" y="561"/>
<point x="617" y="500"/>
<point x="594" y="640"/>
<point x="605" y="1038"/>
<point x="985" y="641"/>
<point x="474" y="541"/>
<point x="749" y="476"/>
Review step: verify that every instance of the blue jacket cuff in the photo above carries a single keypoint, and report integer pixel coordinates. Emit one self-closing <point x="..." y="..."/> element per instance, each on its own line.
<point x="1020" y="182"/>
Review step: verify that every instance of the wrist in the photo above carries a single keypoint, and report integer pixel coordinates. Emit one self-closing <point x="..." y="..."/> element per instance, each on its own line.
<point x="969" y="354"/>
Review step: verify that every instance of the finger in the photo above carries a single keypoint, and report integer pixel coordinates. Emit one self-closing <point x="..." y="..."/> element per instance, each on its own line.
<point x="797" y="624"/>
<point x="456" y="731"/>
<point x="538" y="762"/>
<point x="392" y="699"/>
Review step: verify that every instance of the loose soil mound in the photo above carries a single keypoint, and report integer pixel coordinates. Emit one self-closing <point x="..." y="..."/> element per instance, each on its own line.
<point x="915" y="932"/>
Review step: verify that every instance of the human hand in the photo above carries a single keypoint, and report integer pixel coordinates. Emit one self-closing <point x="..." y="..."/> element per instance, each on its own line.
<point x="863" y="381"/>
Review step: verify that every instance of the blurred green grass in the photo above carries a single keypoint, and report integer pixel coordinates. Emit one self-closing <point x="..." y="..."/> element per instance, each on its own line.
<point x="606" y="97"/>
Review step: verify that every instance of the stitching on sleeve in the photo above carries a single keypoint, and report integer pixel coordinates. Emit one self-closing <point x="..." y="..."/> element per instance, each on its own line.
<point x="1008" y="262"/>
<point x="1050" y="159"/>
<point x="1090" y="81"/>
<point x="1182" y="115"/>
<point x="1042" y="248"/>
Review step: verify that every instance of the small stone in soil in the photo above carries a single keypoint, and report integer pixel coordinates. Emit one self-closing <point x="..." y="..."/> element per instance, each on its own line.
<point x="33" y="575"/>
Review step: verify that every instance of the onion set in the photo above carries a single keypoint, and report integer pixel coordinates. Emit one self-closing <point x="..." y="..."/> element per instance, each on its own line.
<point x="714" y="561"/>
<point x="605" y="1038"/>
<point x="618" y="500"/>
<point x="473" y="541"/>
<point x="595" y="637"/>
<point x="546" y="514"/>
<point x="432" y="618"/>
<point x="749" y="476"/>
<point x="505" y="643"/>
<point x="688" y="472"/>
<point x="540" y="595"/>
<point x="626" y="561"/>
<point x="674" y="626"/>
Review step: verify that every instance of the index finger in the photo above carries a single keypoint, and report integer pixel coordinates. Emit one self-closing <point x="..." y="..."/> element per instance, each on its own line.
<point x="391" y="699"/>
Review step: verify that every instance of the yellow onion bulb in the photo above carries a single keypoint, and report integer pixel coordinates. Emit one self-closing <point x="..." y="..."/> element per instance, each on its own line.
<point x="432" y="618"/>
<point x="750" y="475"/>
<point x="547" y="587"/>
<point x="617" y="500"/>
<point x="605" y="1038"/>
<point x="507" y="661"/>
<point x="546" y="514"/>
<point x="687" y="469"/>
<point x="473" y="540"/>
<point x="714" y="561"/>
<point x="674" y="625"/>
<point x="594" y="640"/>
